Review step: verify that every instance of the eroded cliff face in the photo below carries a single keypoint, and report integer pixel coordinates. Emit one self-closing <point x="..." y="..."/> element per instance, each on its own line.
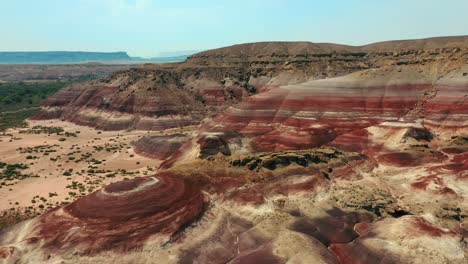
<point x="313" y="113"/>
<point x="307" y="153"/>
<point x="156" y="97"/>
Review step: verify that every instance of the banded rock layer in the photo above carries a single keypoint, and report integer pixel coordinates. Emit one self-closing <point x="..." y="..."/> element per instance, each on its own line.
<point x="155" y="97"/>
<point x="314" y="113"/>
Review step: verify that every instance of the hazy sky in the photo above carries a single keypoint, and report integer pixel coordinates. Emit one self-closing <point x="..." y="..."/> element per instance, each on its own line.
<point x="148" y="27"/>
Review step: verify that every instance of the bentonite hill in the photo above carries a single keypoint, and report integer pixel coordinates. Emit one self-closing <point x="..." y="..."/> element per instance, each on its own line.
<point x="272" y="152"/>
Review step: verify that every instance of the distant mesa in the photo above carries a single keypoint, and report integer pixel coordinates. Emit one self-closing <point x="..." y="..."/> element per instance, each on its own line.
<point x="63" y="57"/>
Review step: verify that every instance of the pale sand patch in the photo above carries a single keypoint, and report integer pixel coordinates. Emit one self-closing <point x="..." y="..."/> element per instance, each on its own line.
<point x="51" y="178"/>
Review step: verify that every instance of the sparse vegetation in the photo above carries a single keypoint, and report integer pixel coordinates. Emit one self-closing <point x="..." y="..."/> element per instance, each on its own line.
<point x="44" y="130"/>
<point x="10" y="172"/>
<point x="46" y="149"/>
<point x="19" y="101"/>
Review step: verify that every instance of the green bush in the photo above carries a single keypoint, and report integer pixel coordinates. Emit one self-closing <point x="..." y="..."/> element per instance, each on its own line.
<point x="19" y="101"/>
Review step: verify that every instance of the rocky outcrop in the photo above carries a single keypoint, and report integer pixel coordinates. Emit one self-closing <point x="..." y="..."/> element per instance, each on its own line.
<point x="420" y="134"/>
<point x="160" y="147"/>
<point x="274" y="160"/>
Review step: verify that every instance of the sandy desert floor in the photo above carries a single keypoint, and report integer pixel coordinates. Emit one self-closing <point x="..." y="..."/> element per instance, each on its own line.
<point x="63" y="167"/>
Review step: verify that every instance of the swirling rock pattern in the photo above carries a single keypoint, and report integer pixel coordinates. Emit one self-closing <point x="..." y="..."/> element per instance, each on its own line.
<point x="120" y="217"/>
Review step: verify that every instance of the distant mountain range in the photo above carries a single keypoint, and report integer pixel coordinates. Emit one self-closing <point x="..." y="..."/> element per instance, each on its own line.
<point x="64" y="57"/>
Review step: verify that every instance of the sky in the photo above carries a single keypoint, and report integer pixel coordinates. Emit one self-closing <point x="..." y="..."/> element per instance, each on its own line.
<point x="149" y="28"/>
